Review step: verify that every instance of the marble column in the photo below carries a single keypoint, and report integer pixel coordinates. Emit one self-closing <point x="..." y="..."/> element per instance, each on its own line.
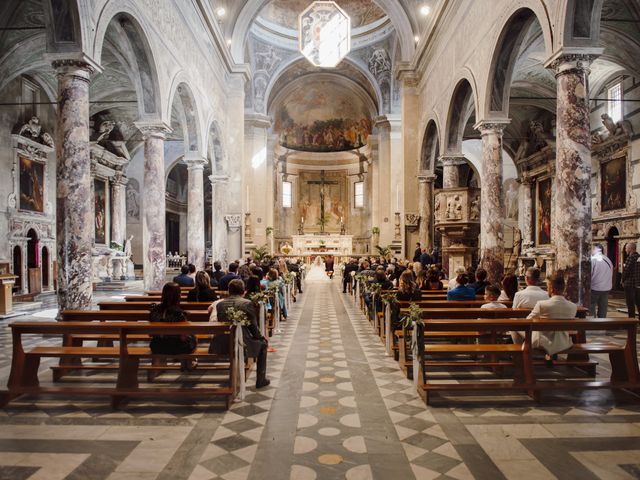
<point x="74" y="203"/>
<point x="195" y="213"/>
<point x="118" y="208"/>
<point x="154" y="206"/>
<point x="425" y="210"/>
<point x="492" y="201"/>
<point x="526" y="213"/>
<point x="571" y="229"/>
<point x="451" y="171"/>
<point x="219" y="185"/>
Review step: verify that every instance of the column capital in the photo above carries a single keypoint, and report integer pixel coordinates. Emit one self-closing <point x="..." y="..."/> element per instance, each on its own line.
<point x="257" y="120"/>
<point x="452" y="160"/>
<point x="426" y="178"/>
<point x="489" y="127"/>
<point x="78" y="65"/>
<point x="153" y="129"/>
<point x="381" y="122"/>
<point x="569" y="60"/>
<point x="218" y="179"/>
<point x="119" y="179"/>
<point x="195" y="163"/>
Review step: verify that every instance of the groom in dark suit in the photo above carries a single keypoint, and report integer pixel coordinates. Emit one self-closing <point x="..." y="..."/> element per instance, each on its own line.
<point x="255" y="343"/>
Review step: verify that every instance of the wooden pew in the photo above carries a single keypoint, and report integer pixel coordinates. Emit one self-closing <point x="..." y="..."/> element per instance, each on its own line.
<point x="624" y="363"/>
<point x="23" y="378"/>
<point x="145" y="305"/>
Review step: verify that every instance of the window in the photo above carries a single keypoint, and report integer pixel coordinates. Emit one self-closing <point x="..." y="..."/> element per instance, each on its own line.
<point x="358" y="194"/>
<point x="286" y="194"/>
<point x="615" y="102"/>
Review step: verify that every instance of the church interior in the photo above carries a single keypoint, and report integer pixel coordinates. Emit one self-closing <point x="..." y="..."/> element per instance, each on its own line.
<point x="331" y="239"/>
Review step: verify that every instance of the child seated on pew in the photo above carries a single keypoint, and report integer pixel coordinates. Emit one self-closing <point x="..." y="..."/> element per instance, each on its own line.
<point x="491" y="294"/>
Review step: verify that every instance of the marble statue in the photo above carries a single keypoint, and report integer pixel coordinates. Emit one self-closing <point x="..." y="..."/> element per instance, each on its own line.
<point x="474" y="214"/>
<point x="127" y="247"/>
<point x="454" y="208"/>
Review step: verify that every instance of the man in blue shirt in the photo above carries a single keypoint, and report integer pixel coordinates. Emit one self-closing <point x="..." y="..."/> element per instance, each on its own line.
<point x="462" y="291"/>
<point x="223" y="284"/>
<point x="184" y="280"/>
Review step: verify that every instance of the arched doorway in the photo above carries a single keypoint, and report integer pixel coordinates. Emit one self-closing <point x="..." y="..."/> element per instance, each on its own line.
<point x="613" y="250"/>
<point x="33" y="263"/>
<point x="17" y="268"/>
<point x="45" y="267"/>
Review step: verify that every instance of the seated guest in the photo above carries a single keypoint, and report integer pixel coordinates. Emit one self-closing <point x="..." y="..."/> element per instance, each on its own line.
<point x="202" y="291"/>
<point x="253" y="285"/>
<point x="217" y="274"/>
<point x="531" y="295"/>
<point x="433" y="282"/>
<point x="481" y="281"/>
<point x="192" y="271"/>
<point x="408" y="290"/>
<point x="381" y="278"/>
<point x="254" y="343"/>
<point x="422" y="280"/>
<point x="273" y="278"/>
<point x="555" y="307"/>
<point x="462" y="290"/>
<point x="491" y="294"/>
<point x="509" y="287"/>
<point x="168" y="310"/>
<point x="184" y="280"/>
<point x="223" y="284"/>
<point x="453" y="283"/>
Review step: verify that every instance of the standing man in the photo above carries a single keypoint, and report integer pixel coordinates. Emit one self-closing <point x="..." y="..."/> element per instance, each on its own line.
<point x="601" y="282"/>
<point x="418" y="253"/>
<point x="631" y="279"/>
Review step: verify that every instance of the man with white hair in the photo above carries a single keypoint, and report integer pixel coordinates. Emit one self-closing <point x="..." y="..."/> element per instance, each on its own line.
<point x="631" y="279"/>
<point x="452" y="279"/>
<point x="601" y="282"/>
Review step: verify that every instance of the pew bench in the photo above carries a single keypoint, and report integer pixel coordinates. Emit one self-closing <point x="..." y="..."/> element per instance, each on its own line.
<point x="623" y="358"/>
<point x="23" y="378"/>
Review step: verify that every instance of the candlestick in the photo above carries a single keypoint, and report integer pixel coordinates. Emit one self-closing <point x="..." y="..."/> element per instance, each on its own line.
<point x="247" y="197"/>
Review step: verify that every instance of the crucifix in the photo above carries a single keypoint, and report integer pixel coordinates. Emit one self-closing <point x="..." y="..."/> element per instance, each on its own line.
<point x="323" y="220"/>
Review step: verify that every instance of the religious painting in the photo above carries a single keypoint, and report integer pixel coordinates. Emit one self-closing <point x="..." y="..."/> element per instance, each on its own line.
<point x="31" y="185"/>
<point x="322" y="116"/>
<point x="100" y="203"/>
<point x="320" y="193"/>
<point x="324" y="34"/>
<point x="613" y="184"/>
<point x="543" y="212"/>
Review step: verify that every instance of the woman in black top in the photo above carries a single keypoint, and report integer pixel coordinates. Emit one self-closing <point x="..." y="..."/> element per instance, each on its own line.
<point x="408" y="291"/>
<point x="202" y="292"/>
<point x="168" y="310"/>
<point x="252" y="286"/>
<point x="433" y="282"/>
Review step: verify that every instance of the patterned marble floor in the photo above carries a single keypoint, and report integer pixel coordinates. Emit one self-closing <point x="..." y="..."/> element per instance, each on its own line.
<point x="337" y="408"/>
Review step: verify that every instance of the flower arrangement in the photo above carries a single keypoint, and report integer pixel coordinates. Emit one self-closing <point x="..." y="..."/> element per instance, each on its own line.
<point x="413" y="315"/>
<point x="237" y="317"/>
<point x="289" y="278"/>
<point x="374" y="288"/>
<point x="258" y="297"/>
<point x="391" y="298"/>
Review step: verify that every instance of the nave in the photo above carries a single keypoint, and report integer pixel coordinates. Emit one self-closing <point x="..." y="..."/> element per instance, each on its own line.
<point x="337" y="407"/>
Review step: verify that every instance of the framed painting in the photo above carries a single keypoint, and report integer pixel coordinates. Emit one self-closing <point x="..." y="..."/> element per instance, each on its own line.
<point x="543" y="212"/>
<point x="100" y="208"/>
<point x="613" y="184"/>
<point x="31" y="185"/>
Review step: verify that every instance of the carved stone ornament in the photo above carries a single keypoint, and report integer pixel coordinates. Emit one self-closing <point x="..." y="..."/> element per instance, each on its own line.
<point x="234" y="222"/>
<point x="33" y="130"/>
<point x="411" y="219"/>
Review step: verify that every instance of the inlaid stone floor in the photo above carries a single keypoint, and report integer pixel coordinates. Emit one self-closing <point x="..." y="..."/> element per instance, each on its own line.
<point x="338" y="407"/>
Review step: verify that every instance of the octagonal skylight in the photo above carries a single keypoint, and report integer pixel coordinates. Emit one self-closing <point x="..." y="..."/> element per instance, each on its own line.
<point x="325" y="34"/>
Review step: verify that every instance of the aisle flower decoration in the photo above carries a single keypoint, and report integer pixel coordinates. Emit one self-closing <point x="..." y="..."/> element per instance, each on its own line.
<point x="239" y="319"/>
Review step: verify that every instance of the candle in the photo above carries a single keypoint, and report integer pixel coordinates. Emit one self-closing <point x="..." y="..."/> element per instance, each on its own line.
<point x="397" y="197"/>
<point x="340" y="219"/>
<point x="302" y="220"/>
<point x="247" y="197"/>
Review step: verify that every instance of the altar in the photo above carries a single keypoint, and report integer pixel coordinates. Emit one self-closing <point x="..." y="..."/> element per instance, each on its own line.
<point x="331" y="244"/>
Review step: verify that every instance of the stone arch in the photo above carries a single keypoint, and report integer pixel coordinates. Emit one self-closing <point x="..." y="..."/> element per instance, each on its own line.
<point x="430" y="147"/>
<point x="64" y="32"/>
<point x="464" y="103"/>
<point x="140" y="55"/>
<point x="504" y="58"/>
<point x="182" y="92"/>
<point x="392" y="8"/>
<point x="580" y="20"/>
<point x="215" y="150"/>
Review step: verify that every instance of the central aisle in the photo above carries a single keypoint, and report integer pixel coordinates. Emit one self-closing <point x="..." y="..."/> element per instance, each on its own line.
<point x="338" y="406"/>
